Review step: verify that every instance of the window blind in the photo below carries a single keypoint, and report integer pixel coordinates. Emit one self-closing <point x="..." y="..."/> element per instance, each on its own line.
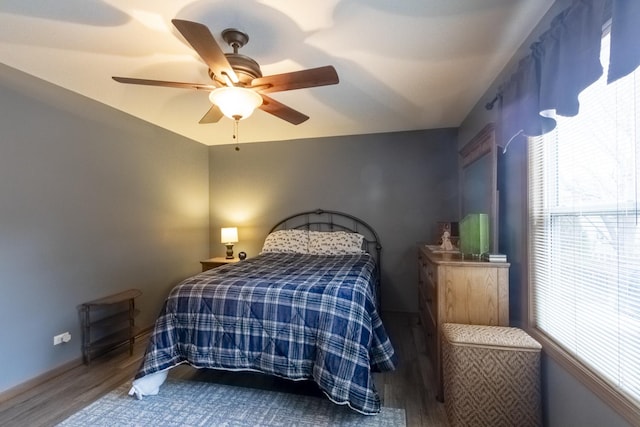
<point x="584" y="232"/>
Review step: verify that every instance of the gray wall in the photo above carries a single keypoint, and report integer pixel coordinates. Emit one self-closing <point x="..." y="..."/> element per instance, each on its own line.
<point x="92" y="201"/>
<point x="399" y="183"/>
<point x="566" y="402"/>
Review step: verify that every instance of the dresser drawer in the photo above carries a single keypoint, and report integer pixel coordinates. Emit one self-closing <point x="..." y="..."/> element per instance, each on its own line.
<point x="431" y="338"/>
<point x="427" y="318"/>
<point x="427" y="304"/>
<point x="430" y="274"/>
<point x="427" y="284"/>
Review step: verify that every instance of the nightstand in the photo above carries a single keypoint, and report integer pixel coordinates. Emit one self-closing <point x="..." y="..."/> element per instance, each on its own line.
<point x="215" y="262"/>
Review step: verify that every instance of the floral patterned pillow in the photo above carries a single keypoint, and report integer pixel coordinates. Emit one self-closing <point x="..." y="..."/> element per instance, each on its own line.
<point x="287" y="241"/>
<point x="335" y="243"/>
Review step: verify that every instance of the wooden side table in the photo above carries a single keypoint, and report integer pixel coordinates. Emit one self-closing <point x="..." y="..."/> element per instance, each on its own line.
<point x="215" y="262"/>
<point x="108" y="323"/>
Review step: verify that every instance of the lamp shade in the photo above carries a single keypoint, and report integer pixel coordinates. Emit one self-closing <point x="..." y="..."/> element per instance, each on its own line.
<point x="229" y="235"/>
<point x="237" y="103"/>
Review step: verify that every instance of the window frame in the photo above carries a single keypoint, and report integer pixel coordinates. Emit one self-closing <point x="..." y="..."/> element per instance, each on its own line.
<point x="593" y="381"/>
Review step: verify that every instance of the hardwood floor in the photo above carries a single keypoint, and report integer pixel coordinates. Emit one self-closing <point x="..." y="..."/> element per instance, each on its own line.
<point x="407" y="387"/>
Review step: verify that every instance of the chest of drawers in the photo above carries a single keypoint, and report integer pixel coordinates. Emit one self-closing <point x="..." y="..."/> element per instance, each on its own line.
<point x="456" y="290"/>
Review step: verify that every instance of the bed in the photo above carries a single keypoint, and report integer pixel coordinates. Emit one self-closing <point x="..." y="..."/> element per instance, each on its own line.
<point x="306" y="308"/>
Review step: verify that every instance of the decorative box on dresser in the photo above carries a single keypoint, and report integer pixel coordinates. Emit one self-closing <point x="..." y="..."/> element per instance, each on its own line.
<point x="453" y="289"/>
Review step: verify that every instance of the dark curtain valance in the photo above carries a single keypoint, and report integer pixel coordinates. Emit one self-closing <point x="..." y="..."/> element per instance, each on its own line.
<point x="565" y="60"/>
<point x="625" y="38"/>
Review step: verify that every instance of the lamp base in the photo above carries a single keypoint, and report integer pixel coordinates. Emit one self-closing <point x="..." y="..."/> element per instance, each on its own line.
<point x="229" y="252"/>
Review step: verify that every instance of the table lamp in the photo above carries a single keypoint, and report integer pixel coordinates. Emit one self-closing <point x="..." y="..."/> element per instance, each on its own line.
<point x="229" y="236"/>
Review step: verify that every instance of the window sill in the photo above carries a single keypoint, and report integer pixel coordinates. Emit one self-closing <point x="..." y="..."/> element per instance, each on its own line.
<point x="620" y="402"/>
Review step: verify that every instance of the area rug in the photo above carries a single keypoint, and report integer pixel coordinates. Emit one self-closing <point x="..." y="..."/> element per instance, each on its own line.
<point x="194" y="403"/>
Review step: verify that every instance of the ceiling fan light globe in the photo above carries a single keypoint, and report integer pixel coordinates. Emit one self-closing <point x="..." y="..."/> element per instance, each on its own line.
<point x="236" y="102"/>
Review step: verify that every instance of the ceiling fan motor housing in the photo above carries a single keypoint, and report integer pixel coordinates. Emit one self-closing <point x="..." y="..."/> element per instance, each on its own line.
<point x="245" y="67"/>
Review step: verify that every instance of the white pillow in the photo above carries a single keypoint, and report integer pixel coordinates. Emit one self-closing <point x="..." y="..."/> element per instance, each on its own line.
<point x="287" y="241"/>
<point x="335" y="243"/>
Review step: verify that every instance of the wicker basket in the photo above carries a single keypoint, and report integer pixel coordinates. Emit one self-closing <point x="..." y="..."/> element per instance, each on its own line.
<point x="491" y="376"/>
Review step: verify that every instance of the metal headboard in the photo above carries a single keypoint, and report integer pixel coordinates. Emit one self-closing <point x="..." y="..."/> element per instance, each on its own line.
<point x="321" y="220"/>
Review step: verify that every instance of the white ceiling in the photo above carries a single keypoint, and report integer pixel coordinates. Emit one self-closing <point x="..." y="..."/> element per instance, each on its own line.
<point x="403" y="65"/>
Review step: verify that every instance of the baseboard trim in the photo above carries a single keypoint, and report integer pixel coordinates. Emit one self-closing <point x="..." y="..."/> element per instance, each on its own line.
<point x="40" y="379"/>
<point x="145" y="331"/>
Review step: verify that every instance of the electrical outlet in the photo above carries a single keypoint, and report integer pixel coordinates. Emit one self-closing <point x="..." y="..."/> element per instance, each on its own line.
<point x="62" y="338"/>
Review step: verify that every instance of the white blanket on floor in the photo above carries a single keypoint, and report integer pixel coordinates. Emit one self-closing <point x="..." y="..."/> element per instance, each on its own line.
<point x="149" y="385"/>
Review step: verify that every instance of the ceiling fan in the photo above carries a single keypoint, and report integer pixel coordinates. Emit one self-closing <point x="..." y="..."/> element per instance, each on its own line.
<point x="237" y="79"/>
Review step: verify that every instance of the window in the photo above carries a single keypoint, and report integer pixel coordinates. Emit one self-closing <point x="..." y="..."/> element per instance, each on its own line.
<point x="584" y="237"/>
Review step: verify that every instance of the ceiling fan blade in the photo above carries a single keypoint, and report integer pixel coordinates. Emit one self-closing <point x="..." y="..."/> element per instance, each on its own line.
<point x="179" y="85"/>
<point x="320" y="76"/>
<point x="212" y="116"/>
<point x="201" y="39"/>
<point x="281" y="111"/>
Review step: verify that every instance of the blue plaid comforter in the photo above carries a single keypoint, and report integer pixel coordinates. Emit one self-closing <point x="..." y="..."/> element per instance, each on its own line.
<point x="290" y="315"/>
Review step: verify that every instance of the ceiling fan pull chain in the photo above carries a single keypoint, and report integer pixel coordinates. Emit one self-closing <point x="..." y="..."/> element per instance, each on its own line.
<point x="235" y="134"/>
